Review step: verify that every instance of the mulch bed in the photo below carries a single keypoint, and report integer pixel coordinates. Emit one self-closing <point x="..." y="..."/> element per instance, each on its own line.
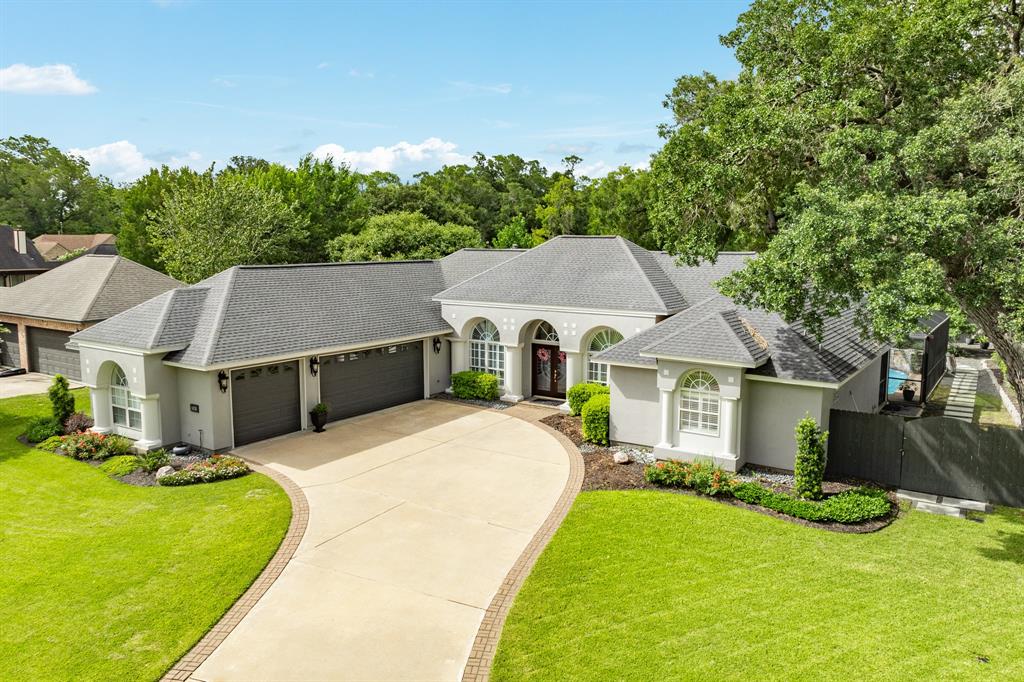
<point x="602" y="473"/>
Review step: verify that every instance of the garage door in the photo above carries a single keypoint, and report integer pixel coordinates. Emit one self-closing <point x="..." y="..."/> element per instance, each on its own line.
<point x="10" y="355"/>
<point x="47" y="353"/>
<point x="265" y="401"/>
<point x="368" y="380"/>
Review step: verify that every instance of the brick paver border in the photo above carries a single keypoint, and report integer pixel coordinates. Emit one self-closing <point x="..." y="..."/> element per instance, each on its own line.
<point x="188" y="663"/>
<point x="481" y="656"/>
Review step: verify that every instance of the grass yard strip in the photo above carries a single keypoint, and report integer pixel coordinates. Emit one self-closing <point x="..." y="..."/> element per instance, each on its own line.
<point x="106" y="581"/>
<point x="648" y="585"/>
<point x="990" y="411"/>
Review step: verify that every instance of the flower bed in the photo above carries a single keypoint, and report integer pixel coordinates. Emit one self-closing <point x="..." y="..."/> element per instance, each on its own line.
<point x="216" y="468"/>
<point x="856" y="505"/>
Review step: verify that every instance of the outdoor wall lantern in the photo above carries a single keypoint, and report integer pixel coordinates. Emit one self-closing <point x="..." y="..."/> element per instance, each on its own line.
<point x="222" y="381"/>
<point x="314" y="365"/>
<point x="437" y="345"/>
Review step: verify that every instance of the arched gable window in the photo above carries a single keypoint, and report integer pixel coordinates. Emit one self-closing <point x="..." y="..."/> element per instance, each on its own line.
<point x="485" y="353"/>
<point x="126" y="408"/>
<point x="699" y="403"/>
<point x="597" y="372"/>
<point x="545" y="332"/>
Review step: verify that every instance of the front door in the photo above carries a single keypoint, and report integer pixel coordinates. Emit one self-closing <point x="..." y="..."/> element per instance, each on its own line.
<point x="548" y="371"/>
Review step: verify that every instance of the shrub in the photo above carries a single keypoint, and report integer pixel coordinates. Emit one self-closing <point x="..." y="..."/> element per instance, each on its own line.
<point x="61" y="399"/>
<point x="470" y="385"/>
<point x="809" y="469"/>
<point x="89" y="445"/>
<point x="42" y="428"/>
<point x="704" y="477"/>
<point x="595" y="419"/>
<point x="122" y="465"/>
<point x="216" y="468"/>
<point x="115" y="446"/>
<point x="153" y="459"/>
<point x="852" y="506"/>
<point x="321" y="408"/>
<point x="78" y="422"/>
<point x="50" y="444"/>
<point x="579" y="394"/>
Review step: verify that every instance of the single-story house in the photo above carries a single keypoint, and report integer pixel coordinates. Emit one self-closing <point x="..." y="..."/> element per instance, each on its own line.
<point x="244" y="355"/>
<point x="42" y="313"/>
<point x="54" y="246"/>
<point x="20" y="260"/>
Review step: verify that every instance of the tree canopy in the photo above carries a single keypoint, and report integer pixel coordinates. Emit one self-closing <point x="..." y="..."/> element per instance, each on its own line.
<point x="403" y="236"/>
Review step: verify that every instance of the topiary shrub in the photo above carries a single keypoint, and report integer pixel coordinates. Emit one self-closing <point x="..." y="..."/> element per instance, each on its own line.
<point x="122" y="465"/>
<point x="42" y="428"/>
<point x="471" y="385"/>
<point x="579" y="394"/>
<point x="595" y="419"/>
<point x="61" y="399"/>
<point x="216" y="468"/>
<point x="78" y="422"/>
<point x="809" y="469"/>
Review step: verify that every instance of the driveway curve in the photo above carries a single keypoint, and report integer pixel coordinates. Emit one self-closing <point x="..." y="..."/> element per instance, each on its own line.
<point x="416" y="514"/>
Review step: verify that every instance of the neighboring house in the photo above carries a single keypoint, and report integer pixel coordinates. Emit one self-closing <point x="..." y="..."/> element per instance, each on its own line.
<point x="54" y="246"/>
<point x="42" y="313"/>
<point x="244" y="355"/>
<point x="19" y="258"/>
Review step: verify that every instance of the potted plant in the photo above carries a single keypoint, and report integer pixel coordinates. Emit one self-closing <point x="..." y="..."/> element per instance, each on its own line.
<point x="983" y="342"/>
<point x="318" y="415"/>
<point x="908" y="391"/>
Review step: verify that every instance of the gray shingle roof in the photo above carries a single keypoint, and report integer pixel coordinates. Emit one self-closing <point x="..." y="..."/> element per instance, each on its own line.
<point x="86" y="289"/>
<point x="600" y="272"/>
<point x="717" y="330"/>
<point x="13" y="261"/>
<point x="466" y="263"/>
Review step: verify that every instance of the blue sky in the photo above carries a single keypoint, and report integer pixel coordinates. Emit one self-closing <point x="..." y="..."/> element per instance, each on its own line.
<point x="386" y="86"/>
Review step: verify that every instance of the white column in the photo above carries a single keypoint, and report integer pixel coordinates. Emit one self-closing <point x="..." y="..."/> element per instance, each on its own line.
<point x="100" y="398"/>
<point x="572" y="368"/>
<point x="460" y="355"/>
<point x="667" y="417"/>
<point x="150" y="424"/>
<point x="729" y="422"/>
<point x="513" y="374"/>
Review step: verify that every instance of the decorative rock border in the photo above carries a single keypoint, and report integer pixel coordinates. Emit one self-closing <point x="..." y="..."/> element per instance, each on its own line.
<point x="481" y="656"/>
<point x="188" y="663"/>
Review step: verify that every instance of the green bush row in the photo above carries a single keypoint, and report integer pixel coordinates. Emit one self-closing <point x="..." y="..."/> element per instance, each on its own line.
<point x="579" y="394"/>
<point x="703" y="477"/>
<point x="595" y="419"/>
<point x="853" y="506"/>
<point x="472" y="385"/>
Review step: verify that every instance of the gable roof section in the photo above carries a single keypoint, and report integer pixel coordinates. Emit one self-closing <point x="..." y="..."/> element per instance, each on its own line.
<point x="717" y="330"/>
<point x="591" y="272"/>
<point x="466" y="263"/>
<point x="87" y="289"/>
<point x="55" y="245"/>
<point x="12" y="261"/>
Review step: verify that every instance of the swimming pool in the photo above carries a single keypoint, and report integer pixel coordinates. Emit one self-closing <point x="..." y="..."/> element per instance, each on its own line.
<point x="896" y="378"/>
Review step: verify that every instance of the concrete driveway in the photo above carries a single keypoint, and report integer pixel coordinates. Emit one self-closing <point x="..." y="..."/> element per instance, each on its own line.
<point x="415" y="516"/>
<point x="26" y="384"/>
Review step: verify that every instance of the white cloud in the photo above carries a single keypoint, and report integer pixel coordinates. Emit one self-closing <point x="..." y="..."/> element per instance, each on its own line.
<point x="122" y="161"/>
<point x="432" y="151"/>
<point x="566" y="149"/>
<point x="483" y="88"/>
<point x="225" y="82"/>
<point x="50" y="79"/>
<point x="323" y="65"/>
<point x="598" y="169"/>
<point x="356" y="73"/>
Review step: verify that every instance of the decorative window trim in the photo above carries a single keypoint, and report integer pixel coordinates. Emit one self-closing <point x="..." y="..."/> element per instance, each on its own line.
<point x="485" y="353"/>
<point x="125" y="408"/>
<point x="700" y="403"/>
<point x="545" y="332"/>
<point x="597" y="372"/>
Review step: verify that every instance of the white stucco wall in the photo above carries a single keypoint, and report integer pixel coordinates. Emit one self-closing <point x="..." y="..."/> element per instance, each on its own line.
<point x="439" y="366"/>
<point x="771" y="411"/>
<point x="214" y="417"/>
<point x="97" y="367"/>
<point x="635" y="416"/>
<point x="860" y="392"/>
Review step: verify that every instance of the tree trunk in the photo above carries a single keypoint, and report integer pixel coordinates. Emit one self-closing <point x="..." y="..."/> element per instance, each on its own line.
<point x="987" y="319"/>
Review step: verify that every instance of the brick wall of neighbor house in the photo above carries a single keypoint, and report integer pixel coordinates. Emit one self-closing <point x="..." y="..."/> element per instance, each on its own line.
<point x="771" y="411"/>
<point x="635" y="416"/>
<point x="860" y="392"/>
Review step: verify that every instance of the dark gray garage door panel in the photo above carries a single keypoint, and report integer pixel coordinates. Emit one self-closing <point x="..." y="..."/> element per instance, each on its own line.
<point x="10" y="352"/>
<point x="357" y="383"/>
<point x="48" y="355"/>
<point x="265" y="401"/>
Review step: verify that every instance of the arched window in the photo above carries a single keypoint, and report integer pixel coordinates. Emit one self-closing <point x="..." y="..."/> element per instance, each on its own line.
<point x="485" y="353"/>
<point x="699" y="403"/>
<point x="545" y="332"/>
<point x="126" y="408"/>
<point x="597" y="372"/>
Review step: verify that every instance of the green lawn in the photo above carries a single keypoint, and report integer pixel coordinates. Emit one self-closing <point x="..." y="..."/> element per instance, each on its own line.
<point x="648" y="585"/>
<point x="990" y="411"/>
<point x="104" y="581"/>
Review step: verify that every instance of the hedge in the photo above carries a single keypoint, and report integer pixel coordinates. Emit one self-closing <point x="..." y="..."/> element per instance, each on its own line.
<point x="595" y="419"/>
<point x="471" y="385"/>
<point x="853" y="506"/>
<point x="579" y="394"/>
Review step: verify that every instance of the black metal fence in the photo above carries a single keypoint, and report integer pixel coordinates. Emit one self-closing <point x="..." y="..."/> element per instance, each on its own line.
<point x="936" y="455"/>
